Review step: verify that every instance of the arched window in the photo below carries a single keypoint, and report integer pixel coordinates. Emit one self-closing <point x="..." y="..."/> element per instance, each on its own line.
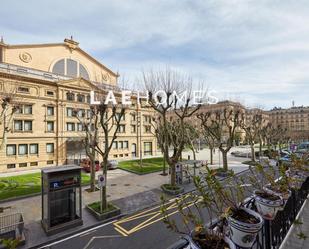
<point x="70" y="68"/>
<point x="59" y="67"/>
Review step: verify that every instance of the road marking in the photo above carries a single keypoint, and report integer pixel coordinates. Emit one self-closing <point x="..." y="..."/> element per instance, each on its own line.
<point x="99" y="237"/>
<point x="154" y="216"/>
<point x="76" y="235"/>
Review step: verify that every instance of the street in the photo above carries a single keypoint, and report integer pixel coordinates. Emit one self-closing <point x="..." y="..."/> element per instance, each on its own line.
<point x="143" y="229"/>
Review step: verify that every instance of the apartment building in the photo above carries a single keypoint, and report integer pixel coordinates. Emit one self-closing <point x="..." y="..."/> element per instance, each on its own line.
<point x="294" y="119"/>
<point x="47" y="82"/>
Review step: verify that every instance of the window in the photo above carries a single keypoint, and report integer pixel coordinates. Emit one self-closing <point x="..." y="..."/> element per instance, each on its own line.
<point x="147" y="128"/>
<point x="59" y="67"/>
<point x="83" y="72"/>
<point x="133" y="117"/>
<point x="11" y="150"/>
<point x="81" y="113"/>
<point x="22" y="165"/>
<point x="27" y="125"/>
<point x="11" y="166"/>
<point x="133" y="128"/>
<point x="120" y="145"/>
<point x="27" y="109"/>
<point x="23" y="89"/>
<point x="50" y="93"/>
<point x="115" y="145"/>
<point x="125" y="144"/>
<point x="34" y="148"/>
<point x="81" y="98"/>
<point x="19" y="109"/>
<point x="147" y="148"/>
<point x="50" y="111"/>
<point x="22" y="149"/>
<point x="118" y="116"/>
<point x="70" y="126"/>
<point x="71" y="68"/>
<point x="18" y="125"/>
<point x="88" y="99"/>
<point x="147" y="119"/>
<point x="80" y="127"/>
<point x="69" y="112"/>
<point x="50" y="162"/>
<point x="34" y="164"/>
<point x="70" y="96"/>
<point x="122" y="129"/>
<point x="50" y="126"/>
<point x="50" y="148"/>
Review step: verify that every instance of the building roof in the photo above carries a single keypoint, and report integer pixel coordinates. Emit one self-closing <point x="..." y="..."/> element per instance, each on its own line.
<point x="66" y="43"/>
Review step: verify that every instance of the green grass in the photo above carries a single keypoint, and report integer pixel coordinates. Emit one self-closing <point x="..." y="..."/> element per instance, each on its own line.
<point x="149" y="165"/>
<point x="96" y="206"/>
<point x="22" y="185"/>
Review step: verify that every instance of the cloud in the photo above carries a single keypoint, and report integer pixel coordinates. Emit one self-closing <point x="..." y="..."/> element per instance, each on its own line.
<point x="254" y="49"/>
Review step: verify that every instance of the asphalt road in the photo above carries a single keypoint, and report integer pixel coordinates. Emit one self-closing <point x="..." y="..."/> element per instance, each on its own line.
<point x="142" y="230"/>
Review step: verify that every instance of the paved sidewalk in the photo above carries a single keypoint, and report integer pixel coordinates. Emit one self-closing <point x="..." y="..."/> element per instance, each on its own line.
<point x="292" y="240"/>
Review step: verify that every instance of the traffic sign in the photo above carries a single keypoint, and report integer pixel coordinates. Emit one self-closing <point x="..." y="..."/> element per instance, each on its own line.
<point x="101" y="181"/>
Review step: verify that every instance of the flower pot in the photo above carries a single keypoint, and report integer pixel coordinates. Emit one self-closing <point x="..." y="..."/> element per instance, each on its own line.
<point x="285" y="195"/>
<point x="267" y="206"/>
<point x="193" y="245"/>
<point x="242" y="233"/>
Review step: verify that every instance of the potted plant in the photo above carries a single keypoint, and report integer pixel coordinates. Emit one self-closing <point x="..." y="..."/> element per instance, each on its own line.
<point x="198" y="234"/>
<point x="266" y="202"/>
<point x="243" y="224"/>
<point x="279" y="186"/>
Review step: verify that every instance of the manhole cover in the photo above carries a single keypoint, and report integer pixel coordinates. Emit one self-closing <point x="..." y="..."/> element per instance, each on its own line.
<point x="114" y="184"/>
<point x="127" y="184"/>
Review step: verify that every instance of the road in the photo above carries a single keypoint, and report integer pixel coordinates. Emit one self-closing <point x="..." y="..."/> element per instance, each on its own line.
<point x="142" y="230"/>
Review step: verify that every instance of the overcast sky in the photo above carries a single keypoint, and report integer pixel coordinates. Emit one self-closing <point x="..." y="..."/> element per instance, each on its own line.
<point x="253" y="51"/>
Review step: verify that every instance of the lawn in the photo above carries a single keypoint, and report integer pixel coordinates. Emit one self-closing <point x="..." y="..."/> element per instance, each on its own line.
<point x="149" y="165"/>
<point x="21" y="185"/>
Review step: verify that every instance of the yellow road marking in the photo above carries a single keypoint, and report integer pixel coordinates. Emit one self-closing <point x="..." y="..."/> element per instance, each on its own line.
<point x="150" y="220"/>
<point x="121" y="232"/>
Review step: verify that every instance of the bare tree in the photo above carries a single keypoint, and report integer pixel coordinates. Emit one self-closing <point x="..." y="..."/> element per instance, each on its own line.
<point x="163" y="88"/>
<point x="90" y="125"/>
<point x="252" y="124"/>
<point x="9" y="106"/>
<point x="101" y="130"/>
<point x="222" y="127"/>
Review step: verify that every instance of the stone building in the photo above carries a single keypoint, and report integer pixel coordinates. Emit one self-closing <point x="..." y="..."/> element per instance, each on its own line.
<point x="48" y="81"/>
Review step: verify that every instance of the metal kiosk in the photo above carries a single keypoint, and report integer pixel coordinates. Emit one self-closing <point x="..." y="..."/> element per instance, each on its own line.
<point x="61" y="198"/>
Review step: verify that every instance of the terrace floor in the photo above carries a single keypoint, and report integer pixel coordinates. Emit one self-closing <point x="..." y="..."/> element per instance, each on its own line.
<point x="298" y="236"/>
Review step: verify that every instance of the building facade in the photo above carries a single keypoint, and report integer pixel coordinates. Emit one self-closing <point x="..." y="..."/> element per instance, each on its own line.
<point x="294" y="119"/>
<point x="48" y="82"/>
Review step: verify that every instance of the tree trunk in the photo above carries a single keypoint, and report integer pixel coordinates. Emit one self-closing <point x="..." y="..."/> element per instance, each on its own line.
<point x="92" y="176"/>
<point x="260" y="148"/>
<point x="173" y="174"/>
<point x="104" y="192"/>
<point x="211" y="156"/>
<point x="224" y="158"/>
<point x="252" y="152"/>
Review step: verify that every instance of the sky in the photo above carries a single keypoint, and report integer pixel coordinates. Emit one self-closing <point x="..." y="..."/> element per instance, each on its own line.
<point x="255" y="52"/>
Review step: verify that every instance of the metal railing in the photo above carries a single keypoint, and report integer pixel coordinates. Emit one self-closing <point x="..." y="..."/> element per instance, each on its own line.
<point x="274" y="232"/>
<point x="11" y="226"/>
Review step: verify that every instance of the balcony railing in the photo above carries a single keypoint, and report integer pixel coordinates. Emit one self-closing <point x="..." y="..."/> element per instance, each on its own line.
<point x="273" y="232"/>
<point x="12" y="226"/>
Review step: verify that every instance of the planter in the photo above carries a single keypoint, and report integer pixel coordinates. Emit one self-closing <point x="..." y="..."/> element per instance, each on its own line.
<point x="193" y="245"/>
<point x="166" y="188"/>
<point x="297" y="178"/>
<point x="285" y="195"/>
<point x="113" y="212"/>
<point x="267" y="204"/>
<point x="242" y="233"/>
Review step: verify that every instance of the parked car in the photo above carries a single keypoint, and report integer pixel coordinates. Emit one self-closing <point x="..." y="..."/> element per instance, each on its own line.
<point x="303" y="147"/>
<point x="85" y="164"/>
<point x="112" y="164"/>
